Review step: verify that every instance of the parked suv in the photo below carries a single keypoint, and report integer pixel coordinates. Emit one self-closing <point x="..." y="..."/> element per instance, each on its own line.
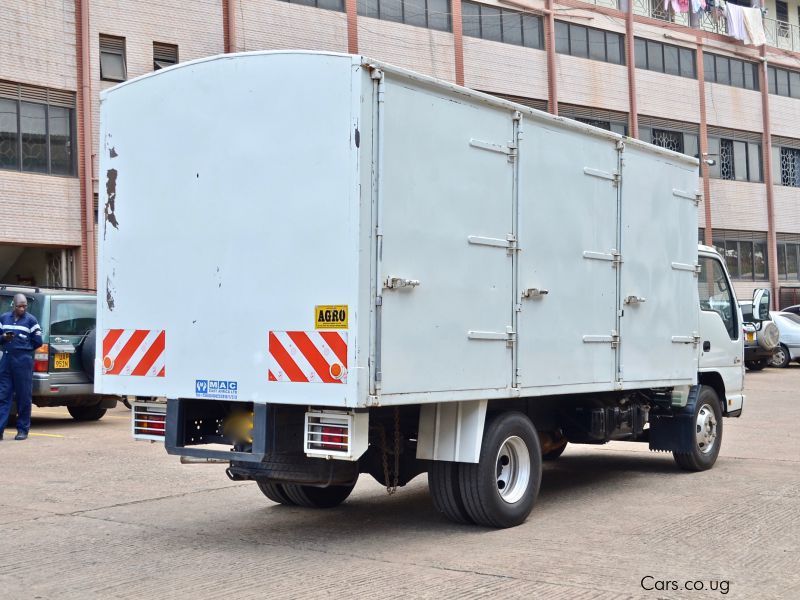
<point x="63" y="367"/>
<point x="761" y="339"/>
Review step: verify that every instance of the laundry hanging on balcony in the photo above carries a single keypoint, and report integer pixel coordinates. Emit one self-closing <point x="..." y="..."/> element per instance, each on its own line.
<point x="698" y="5"/>
<point x="745" y="24"/>
<point x="678" y="6"/>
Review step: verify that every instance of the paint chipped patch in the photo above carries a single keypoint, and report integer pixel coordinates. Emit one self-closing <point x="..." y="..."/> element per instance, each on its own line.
<point x="109" y="295"/>
<point x="111" y="195"/>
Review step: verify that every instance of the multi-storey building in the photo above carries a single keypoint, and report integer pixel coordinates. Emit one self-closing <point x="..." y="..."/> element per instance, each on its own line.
<point x="675" y="79"/>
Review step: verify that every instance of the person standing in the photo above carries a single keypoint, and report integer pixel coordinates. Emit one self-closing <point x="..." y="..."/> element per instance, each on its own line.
<point x="21" y="335"/>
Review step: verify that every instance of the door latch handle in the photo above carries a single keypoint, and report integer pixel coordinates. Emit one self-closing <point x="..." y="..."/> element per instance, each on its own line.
<point x="534" y="293"/>
<point x="635" y="300"/>
<point x="395" y="283"/>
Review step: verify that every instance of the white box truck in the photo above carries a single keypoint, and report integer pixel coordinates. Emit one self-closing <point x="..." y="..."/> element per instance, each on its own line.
<point x="330" y="266"/>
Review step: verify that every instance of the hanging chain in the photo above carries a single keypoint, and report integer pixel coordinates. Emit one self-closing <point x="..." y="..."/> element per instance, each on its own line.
<point x="391" y="490"/>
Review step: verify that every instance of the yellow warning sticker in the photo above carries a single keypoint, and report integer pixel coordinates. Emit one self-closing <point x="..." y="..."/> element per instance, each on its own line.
<point x="330" y="316"/>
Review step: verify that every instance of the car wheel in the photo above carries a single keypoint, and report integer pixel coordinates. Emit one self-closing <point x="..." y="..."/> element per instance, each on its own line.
<point x="501" y="489"/>
<point x="756" y="365"/>
<point x="781" y="358"/>
<point x="275" y="492"/>
<point x="317" y="497"/>
<point x="707" y="429"/>
<point x="86" y="413"/>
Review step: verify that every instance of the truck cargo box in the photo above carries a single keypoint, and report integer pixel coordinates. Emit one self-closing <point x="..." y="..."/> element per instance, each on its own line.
<point x="323" y="229"/>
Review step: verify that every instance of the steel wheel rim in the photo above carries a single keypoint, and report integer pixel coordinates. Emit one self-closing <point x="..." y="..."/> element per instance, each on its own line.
<point x="778" y="358"/>
<point x="513" y="469"/>
<point x="706" y="429"/>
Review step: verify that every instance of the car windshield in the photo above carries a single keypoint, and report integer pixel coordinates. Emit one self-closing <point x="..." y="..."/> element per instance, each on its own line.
<point x="71" y="317"/>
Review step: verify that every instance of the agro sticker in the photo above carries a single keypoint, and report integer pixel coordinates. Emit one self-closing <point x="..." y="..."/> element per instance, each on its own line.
<point x="330" y="316"/>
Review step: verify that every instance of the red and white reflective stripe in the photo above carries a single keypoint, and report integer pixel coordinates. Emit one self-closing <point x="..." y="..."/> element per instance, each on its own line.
<point x="308" y="356"/>
<point x="134" y="352"/>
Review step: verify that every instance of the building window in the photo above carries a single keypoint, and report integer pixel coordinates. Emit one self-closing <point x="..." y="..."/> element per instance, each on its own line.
<point x="664" y="58"/>
<point x="337" y="5"/>
<point x="615" y="126"/>
<point x="790" y="167"/>
<point x="788" y="260"/>
<point x="433" y="14"/>
<point x="112" y="58"/>
<point x="670" y="135"/>
<point x="587" y="42"/>
<point x="671" y="140"/>
<point x="745" y="253"/>
<point x="37" y="130"/>
<point x="502" y="25"/>
<point x="737" y="160"/>
<point x="783" y="82"/>
<point x="730" y="71"/>
<point x="164" y="55"/>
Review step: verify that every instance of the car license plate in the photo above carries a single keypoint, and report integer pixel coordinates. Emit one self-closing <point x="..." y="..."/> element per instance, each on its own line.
<point x="750" y="336"/>
<point x="61" y="360"/>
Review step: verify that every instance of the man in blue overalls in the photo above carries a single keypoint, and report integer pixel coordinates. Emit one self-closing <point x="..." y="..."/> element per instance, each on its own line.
<point x="21" y="335"/>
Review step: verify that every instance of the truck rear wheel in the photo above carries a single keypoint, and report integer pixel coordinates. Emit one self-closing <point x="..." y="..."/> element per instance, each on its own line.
<point x="501" y="489"/>
<point x="317" y="497"/>
<point x="275" y="492"/>
<point x="707" y="433"/>
<point x="445" y="491"/>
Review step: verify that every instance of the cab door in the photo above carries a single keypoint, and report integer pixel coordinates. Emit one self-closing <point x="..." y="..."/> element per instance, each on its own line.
<point x="721" y="348"/>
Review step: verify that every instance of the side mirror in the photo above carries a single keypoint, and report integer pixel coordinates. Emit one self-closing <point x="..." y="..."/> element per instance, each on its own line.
<point x="761" y="304"/>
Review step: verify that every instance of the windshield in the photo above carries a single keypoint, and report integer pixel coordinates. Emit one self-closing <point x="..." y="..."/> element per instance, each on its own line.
<point x="72" y="317"/>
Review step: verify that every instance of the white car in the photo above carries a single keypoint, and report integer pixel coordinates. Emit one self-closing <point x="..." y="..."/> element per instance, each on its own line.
<point x="789" y="349"/>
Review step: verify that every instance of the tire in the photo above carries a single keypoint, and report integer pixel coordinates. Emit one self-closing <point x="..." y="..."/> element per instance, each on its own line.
<point x="554" y="454"/>
<point x="445" y="491"/>
<point x="781" y="358"/>
<point x="768" y="336"/>
<point x="316" y="497"/>
<point x="708" y="433"/>
<point x="756" y="365"/>
<point x="87" y="354"/>
<point x="501" y="489"/>
<point x="86" y="413"/>
<point x="275" y="492"/>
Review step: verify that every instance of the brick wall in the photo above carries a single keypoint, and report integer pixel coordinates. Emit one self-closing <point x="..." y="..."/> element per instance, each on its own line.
<point x="667" y="96"/>
<point x="276" y="25"/>
<point x="505" y="68"/>
<point x="736" y="108"/>
<point x="787" y="209"/>
<point x="37" y="42"/>
<point x="592" y="83"/>
<point x="784" y="116"/>
<point x="738" y="205"/>
<point x="417" y="48"/>
<point x="40" y="209"/>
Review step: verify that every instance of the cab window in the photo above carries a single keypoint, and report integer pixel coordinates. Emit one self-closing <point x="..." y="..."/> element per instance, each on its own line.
<point x="716" y="295"/>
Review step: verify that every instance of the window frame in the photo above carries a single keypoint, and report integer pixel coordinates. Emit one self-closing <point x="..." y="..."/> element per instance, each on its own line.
<point x="361" y="10"/>
<point x="729" y="64"/>
<point x="72" y="131"/>
<point x="570" y="26"/>
<point x="108" y="50"/>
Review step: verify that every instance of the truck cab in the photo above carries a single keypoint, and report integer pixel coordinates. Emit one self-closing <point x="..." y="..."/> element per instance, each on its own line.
<point x="721" y="360"/>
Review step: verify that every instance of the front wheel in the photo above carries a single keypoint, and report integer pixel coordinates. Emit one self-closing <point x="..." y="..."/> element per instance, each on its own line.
<point x="781" y="357"/>
<point x="707" y="429"/>
<point x="501" y="489"/>
<point x="86" y="413"/>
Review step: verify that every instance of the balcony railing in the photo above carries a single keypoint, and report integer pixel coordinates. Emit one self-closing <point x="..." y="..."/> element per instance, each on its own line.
<point x="782" y="35"/>
<point x="778" y="33"/>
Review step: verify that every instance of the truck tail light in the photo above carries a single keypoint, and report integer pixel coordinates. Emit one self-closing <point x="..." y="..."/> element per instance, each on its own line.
<point x="333" y="437"/>
<point x="149" y="421"/>
<point x="336" y="434"/>
<point x="41" y="359"/>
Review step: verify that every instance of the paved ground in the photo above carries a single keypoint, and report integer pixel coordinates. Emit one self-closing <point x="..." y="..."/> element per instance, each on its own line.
<point x="87" y="513"/>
